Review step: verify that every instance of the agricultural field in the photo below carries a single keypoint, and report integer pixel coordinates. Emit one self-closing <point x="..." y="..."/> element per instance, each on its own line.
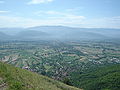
<point x="58" y="59"/>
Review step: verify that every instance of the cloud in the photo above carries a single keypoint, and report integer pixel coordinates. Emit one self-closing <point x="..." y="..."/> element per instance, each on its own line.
<point x="105" y="22"/>
<point x="50" y="13"/>
<point x="39" y="1"/>
<point x="2" y="12"/>
<point x="66" y="20"/>
<point x="9" y="21"/>
<point x="2" y="2"/>
<point x="56" y="14"/>
<point x="53" y="13"/>
<point x="76" y="9"/>
<point x="61" y="18"/>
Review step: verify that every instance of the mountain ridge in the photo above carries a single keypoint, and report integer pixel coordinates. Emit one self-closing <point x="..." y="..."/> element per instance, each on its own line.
<point x="60" y="33"/>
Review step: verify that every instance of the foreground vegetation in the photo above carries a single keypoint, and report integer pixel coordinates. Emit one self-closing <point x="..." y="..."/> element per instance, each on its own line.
<point x="12" y="78"/>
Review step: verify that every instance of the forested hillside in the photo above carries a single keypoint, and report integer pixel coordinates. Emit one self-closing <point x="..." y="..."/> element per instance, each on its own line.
<point x="104" y="78"/>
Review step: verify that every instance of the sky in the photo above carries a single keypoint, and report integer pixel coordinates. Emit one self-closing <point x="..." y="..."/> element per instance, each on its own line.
<point x="73" y="13"/>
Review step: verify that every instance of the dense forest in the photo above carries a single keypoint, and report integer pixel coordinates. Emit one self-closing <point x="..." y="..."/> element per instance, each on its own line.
<point x="103" y="78"/>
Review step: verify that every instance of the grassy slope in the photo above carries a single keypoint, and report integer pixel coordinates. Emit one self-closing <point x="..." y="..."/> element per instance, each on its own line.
<point x="104" y="78"/>
<point x="18" y="79"/>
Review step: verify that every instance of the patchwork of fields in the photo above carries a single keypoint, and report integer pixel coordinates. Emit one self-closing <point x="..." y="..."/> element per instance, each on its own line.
<point x="58" y="59"/>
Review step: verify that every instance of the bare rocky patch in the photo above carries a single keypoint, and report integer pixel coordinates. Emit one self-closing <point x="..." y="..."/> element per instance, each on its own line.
<point x="3" y="85"/>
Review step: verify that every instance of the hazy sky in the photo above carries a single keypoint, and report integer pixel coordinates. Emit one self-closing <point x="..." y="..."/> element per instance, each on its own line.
<point x="74" y="13"/>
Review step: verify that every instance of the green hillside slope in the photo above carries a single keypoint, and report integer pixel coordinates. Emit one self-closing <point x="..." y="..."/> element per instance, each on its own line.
<point x="104" y="78"/>
<point x="12" y="78"/>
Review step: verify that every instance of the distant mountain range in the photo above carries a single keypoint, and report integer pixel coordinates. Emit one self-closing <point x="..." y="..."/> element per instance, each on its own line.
<point x="4" y="36"/>
<point x="58" y="32"/>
